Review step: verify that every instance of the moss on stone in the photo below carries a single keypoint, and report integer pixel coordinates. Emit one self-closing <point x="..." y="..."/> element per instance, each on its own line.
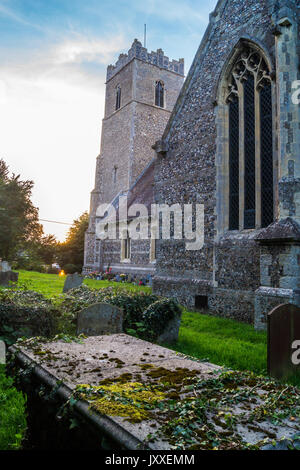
<point x="131" y="400"/>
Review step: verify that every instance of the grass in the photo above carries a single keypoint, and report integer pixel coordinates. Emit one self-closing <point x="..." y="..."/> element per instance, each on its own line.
<point x="223" y="342"/>
<point x="51" y="285"/>
<point x="218" y="340"/>
<point x="12" y="414"/>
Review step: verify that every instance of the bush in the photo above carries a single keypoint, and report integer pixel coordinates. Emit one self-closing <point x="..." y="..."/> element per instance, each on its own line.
<point x="12" y="414"/>
<point x="71" y="268"/>
<point x="26" y="313"/>
<point x="133" y="304"/>
<point x="157" y="316"/>
<point x="52" y="270"/>
<point x="145" y="315"/>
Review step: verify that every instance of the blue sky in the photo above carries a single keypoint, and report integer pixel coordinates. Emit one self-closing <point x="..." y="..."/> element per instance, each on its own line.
<point x="53" y="59"/>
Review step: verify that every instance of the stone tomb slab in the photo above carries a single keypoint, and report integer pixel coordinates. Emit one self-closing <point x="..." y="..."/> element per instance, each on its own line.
<point x="105" y="359"/>
<point x="100" y="319"/>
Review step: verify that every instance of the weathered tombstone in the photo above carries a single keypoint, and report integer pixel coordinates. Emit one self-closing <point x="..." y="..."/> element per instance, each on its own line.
<point x="2" y="352"/>
<point x="72" y="281"/>
<point x="5" y="267"/>
<point x="100" y="319"/>
<point x="7" y="277"/>
<point x="284" y="341"/>
<point x="171" y="331"/>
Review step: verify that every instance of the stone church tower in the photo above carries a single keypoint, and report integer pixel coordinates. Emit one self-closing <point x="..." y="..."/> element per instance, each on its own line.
<point x="141" y="91"/>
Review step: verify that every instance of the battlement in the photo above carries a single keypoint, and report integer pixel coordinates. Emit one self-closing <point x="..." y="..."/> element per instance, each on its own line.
<point x="155" y="58"/>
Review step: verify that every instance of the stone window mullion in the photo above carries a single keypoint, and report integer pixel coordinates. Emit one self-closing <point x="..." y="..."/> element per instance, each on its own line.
<point x="257" y="159"/>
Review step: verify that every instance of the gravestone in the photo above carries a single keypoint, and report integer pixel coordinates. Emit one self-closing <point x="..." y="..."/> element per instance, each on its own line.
<point x="8" y="276"/>
<point x="284" y="341"/>
<point x="100" y="319"/>
<point x="72" y="281"/>
<point x="5" y="267"/>
<point x="2" y="352"/>
<point x="171" y="331"/>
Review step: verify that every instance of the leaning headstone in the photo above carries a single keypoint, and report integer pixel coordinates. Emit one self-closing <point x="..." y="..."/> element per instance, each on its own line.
<point x="100" y="319"/>
<point x="72" y="281"/>
<point x="284" y="341"/>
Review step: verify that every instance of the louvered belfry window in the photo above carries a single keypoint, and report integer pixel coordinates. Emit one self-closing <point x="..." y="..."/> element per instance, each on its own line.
<point x="250" y="130"/>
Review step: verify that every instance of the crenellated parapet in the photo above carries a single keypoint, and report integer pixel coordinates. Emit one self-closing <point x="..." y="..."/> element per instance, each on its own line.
<point x="155" y="58"/>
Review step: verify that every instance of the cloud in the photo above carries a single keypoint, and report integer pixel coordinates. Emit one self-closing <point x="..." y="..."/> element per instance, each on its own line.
<point x="82" y="49"/>
<point x="50" y="120"/>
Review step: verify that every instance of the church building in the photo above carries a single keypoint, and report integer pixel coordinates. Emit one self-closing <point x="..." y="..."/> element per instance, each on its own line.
<point x="141" y="91"/>
<point x="233" y="145"/>
<point x="230" y="141"/>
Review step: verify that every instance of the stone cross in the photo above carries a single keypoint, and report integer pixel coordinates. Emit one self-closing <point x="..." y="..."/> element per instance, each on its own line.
<point x="284" y="341"/>
<point x="100" y="319"/>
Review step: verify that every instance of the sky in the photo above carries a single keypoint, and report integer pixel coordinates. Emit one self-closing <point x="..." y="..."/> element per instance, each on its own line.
<point x="53" y="59"/>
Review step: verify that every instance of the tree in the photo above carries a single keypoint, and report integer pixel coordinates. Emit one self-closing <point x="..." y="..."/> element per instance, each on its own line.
<point x="72" y="250"/>
<point x="19" y="219"/>
<point x="48" y="248"/>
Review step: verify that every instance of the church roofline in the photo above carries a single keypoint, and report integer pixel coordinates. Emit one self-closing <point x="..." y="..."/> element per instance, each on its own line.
<point x="154" y="58"/>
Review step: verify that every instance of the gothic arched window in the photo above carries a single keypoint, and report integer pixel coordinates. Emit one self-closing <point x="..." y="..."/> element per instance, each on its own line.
<point x="159" y="94"/>
<point x="118" y="98"/>
<point x="250" y="135"/>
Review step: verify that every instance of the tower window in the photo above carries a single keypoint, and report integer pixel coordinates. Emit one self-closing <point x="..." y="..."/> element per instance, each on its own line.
<point x="251" y="184"/>
<point x="118" y="97"/>
<point x="159" y="94"/>
<point x="115" y="170"/>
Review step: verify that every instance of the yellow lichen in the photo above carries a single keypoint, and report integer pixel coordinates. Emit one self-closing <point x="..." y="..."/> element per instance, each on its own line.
<point x="130" y="400"/>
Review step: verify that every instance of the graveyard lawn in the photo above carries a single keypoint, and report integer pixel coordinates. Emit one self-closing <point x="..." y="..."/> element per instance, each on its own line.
<point x="221" y="341"/>
<point x="51" y="285"/>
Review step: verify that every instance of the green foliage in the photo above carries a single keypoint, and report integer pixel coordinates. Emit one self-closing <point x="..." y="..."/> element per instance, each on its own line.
<point x="158" y="314"/>
<point x="47" y="249"/>
<point x="145" y="315"/>
<point x="72" y="250"/>
<point x="26" y="313"/>
<point x="71" y="268"/>
<point x="12" y="414"/>
<point x="19" y="225"/>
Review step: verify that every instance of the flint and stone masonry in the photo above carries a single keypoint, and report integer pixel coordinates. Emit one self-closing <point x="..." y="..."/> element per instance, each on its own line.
<point x="128" y="134"/>
<point x="242" y="273"/>
<point x="247" y="266"/>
